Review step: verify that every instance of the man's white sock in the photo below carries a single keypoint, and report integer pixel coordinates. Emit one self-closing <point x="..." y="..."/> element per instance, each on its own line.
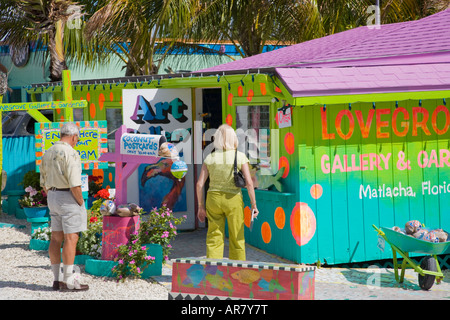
<point x="68" y="273"/>
<point x="56" y="269"/>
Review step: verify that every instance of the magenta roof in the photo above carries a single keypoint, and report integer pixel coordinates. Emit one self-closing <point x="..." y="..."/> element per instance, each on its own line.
<point x="407" y="56"/>
<point x="419" y="37"/>
<point x="365" y="80"/>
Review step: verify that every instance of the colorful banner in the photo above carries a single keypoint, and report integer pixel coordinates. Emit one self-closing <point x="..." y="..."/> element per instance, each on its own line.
<point x="93" y="142"/>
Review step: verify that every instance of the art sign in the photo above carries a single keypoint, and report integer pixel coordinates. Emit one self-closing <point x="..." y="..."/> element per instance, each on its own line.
<point x="151" y="114"/>
<point x="92" y="143"/>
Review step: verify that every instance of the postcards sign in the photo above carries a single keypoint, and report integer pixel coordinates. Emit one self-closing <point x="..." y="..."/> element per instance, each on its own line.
<point x="140" y="144"/>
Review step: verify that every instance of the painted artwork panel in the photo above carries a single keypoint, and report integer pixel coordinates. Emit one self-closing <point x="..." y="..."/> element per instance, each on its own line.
<point x="235" y="280"/>
<point x="166" y="112"/>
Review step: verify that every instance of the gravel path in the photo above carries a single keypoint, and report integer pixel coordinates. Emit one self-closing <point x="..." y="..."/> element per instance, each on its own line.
<point x="25" y="274"/>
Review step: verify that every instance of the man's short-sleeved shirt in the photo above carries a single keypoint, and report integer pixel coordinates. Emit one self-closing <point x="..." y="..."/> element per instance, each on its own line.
<point x="220" y="166"/>
<point x="61" y="167"/>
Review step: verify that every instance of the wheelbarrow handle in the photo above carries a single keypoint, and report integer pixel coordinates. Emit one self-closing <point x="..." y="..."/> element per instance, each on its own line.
<point x="378" y="230"/>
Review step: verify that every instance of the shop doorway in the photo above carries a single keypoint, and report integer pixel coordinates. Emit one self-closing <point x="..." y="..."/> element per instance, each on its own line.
<point x="209" y="113"/>
<point x="212" y="108"/>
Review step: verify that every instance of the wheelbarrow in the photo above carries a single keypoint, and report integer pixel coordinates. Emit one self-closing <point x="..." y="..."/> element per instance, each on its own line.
<point x="429" y="269"/>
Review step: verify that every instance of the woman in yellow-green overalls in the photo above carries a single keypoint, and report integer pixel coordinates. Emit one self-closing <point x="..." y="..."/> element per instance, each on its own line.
<point x="224" y="199"/>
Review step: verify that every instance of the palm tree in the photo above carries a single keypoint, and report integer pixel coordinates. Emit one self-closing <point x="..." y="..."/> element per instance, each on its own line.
<point x="42" y="22"/>
<point x="3" y="80"/>
<point x="143" y="32"/>
<point x="251" y="24"/>
<point x="396" y="10"/>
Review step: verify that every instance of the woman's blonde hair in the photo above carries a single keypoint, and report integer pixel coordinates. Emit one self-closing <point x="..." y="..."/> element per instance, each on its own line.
<point x="225" y="138"/>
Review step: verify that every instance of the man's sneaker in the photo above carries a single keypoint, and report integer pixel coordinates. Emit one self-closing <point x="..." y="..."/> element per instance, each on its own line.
<point x="76" y="286"/>
<point x="56" y="285"/>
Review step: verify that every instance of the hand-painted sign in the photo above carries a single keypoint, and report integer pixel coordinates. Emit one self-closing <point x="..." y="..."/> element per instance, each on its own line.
<point x="399" y="121"/>
<point x="383" y="164"/>
<point x="42" y="105"/>
<point x="165" y="112"/>
<point x="140" y="144"/>
<point x="92" y="143"/>
<point x="284" y="118"/>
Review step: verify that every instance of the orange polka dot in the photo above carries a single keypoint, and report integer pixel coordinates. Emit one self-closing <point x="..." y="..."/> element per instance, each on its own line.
<point x="101" y="100"/>
<point x="303" y="223"/>
<point x="240" y="91"/>
<point x="284" y="163"/>
<point x="111" y="96"/>
<point x="289" y="143"/>
<point x="316" y="191"/>
<point x="247" y="216"/>
<point x="266" y="233"/>
<point x="279" y="217"/>
<point x="99" y="173"/>
<point x="250" y="95"/>
<point x="230" y="99"/>
<point x="88" y="96"/>
<point x="277" y="89"/>
<point x="110" y="176"/>
<point x="263" y="89"/>
<point x="92" y="110"/>
<point x="229" y="120"/>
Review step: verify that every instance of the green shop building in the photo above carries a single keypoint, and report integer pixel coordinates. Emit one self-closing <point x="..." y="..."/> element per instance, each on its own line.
<point x="351" y="130"/>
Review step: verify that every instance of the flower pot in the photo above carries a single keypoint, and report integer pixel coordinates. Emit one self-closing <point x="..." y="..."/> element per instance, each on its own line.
<point x="116" y="232"/>
<point x="36" y="212"/>
<point x="155" y="269"/>
<point x="39" y="245"/>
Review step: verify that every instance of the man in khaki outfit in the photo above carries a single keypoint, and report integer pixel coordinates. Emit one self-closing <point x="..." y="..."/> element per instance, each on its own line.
<point x="61" y="178"/>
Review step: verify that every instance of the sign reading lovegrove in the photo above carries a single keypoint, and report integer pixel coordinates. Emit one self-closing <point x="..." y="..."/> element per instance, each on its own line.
<point x="93" y="142"/>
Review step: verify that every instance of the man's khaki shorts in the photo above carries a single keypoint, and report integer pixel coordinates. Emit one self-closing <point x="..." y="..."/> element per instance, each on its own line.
<point x="66" y="214"/>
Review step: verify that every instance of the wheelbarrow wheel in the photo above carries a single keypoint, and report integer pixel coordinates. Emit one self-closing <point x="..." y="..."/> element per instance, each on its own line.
<point x="426" y="281"/>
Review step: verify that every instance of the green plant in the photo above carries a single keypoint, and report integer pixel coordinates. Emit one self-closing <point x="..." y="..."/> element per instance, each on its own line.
<point x="90" y="242"/>
<point x="31" y="179"/>
<point x="42" y="234"/>
<point x="33" y="198"/>
<point x="132" y="259"/>
<point x="95" y="185"/>
<point x="159" y="227"/>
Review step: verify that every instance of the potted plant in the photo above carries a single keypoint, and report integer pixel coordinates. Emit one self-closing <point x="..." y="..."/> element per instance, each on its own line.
<point x="34" y="202"/>
<point x="147" y="246"/>
<point x="90" y="242"/>
<point x="95" y="185"/>
<point x="40" y="239"/>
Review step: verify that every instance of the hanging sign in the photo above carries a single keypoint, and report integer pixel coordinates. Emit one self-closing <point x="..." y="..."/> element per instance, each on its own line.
<point x="93" y="142"/>
<point x="141" y="144"/>
<point x="284" y="118"/>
